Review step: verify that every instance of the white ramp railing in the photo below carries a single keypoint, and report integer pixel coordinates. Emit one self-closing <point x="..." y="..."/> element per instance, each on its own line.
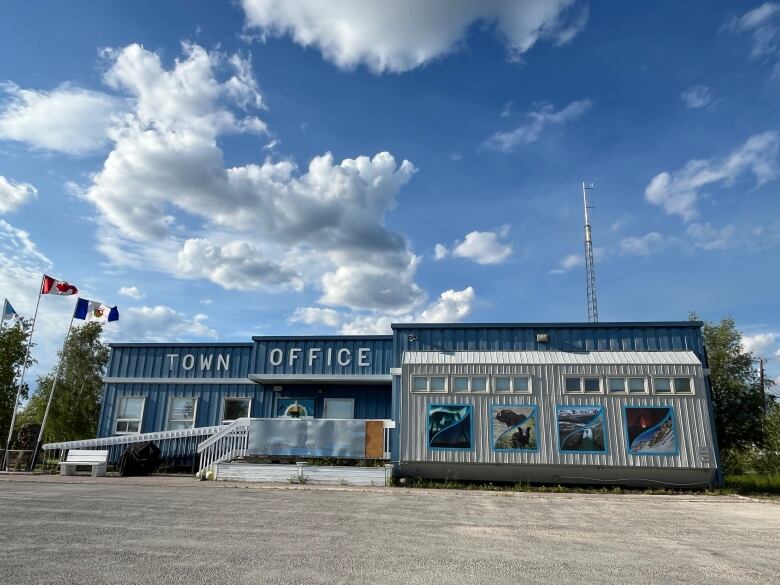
<point x="229" y="443"/>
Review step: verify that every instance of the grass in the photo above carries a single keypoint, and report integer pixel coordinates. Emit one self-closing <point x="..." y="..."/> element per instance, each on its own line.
<point x="752" y="484"/>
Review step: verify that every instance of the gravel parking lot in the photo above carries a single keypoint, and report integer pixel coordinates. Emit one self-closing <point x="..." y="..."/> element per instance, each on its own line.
<point x="178" y="530"/>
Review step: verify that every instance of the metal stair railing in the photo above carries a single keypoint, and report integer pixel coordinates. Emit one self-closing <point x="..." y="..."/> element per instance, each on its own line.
<point x="230" y="442"/>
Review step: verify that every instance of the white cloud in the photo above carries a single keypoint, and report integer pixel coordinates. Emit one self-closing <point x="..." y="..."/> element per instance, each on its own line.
<point x="706" y="237"/>
<point x="678" y="193"/>
<point x="451" y="306"/>
<point x="14" y="195"/>
<point x="132" y="292"/>
<point x="316" y="316"/>
<point x="164" y="186"/>
<point x="642" y="245"/>
<point x="440" y="252"/>
<point x="234" y="266"/>
<point x="66" y="119"/>
<point x="569" y="262"/>
<point x="161" y="324"/>
<point x="538" y="120"/>
<point x="402" y="35"/>
<point x="761" y="24"/>
<point x="759" y="343"/>
<point x="697" y="96"/>
<point x="484" y="247"/>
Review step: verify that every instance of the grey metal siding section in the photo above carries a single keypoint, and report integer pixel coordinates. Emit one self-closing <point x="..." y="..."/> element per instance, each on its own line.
<point x="380" y="355"/>
<point x="691" y="416"/>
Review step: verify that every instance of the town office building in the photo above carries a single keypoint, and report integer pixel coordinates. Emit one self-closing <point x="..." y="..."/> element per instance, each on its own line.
<point x="625" y="403"/>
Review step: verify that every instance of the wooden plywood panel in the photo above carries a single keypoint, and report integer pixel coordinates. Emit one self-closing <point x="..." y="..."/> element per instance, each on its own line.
<point x="375" y="439"/>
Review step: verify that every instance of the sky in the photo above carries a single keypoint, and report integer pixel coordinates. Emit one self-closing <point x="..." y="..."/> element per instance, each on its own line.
<point x="226" y="169"/>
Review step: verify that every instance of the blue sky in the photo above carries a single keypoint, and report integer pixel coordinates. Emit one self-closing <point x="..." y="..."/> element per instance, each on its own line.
<point x="238" y="168"/>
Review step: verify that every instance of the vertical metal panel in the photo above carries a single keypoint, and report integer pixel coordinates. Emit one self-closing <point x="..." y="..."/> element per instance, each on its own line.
<point x="690" y="411"/>
<point x="153" y="361"/>
<point x="379" y="357"/>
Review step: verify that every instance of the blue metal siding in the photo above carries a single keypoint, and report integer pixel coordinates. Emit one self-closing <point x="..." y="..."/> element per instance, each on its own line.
<point x="371" y="402"/>
<point x="380" y="355"/>
<point x="158" y="396"/>
<point x="153" y="361"/>
<point x="595" y="337"/>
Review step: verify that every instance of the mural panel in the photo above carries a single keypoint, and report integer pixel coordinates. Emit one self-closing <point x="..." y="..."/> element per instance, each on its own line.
<point x="581" y="429"/>
<point x="513" y="427"/>
<point x="650" y="430"/>
<point x="449" y="426"/>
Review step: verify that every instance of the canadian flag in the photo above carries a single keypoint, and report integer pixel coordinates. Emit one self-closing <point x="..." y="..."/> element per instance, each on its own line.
<point x="51" y="286"/>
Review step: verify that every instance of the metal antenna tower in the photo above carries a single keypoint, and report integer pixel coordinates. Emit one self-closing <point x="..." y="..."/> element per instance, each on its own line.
<point x="590" y="267"/>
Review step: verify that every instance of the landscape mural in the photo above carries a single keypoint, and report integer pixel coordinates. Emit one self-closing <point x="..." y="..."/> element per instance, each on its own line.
<point x="650" y="430"/>
<point x="514" y="427"/>
<point x="449" y="426"/>
<point x="581" y="429"/>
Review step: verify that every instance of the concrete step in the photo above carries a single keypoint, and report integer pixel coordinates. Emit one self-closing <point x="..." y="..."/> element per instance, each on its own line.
<point x="316" y="474"/>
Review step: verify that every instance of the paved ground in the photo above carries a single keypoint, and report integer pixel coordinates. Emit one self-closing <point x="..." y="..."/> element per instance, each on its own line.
<point x="178" y="530"/>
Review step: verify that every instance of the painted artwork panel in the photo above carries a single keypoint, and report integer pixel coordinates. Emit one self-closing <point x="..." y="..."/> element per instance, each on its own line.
<point x="581" y="429"/>
<point x="449" y="426"/>
<point x="650" y="430"/>
<point x="295" y="407"/>
<point x="514" y="427"/>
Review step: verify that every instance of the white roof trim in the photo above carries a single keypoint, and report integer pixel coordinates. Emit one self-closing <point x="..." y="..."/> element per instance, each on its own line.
<point x="553" y="357"/>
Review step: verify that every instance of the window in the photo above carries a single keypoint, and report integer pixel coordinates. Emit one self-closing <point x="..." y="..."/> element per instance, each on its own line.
<point x="662" y="385"/>
<point x="507" y="384"/>
<point x="636" y="385"/>
<point x="475" y="384"/>
<point x="682" y="386"/>
<point x="129" y="413"/>
<point x="181" y="414"/>
<point x="429" y="383"/>
<point x="573" y="384"/>
<point x="578" y="384"/>
<point x="339" y="408"/>
<point x="235" y="408"/>
<point x="616" y="385"/>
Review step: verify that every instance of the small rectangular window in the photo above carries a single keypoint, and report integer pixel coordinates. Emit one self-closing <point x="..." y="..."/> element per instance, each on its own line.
<point x="662" y="385"/>
<point x="438" y="384"/>
<point x="502" y="384"/>
<point x="682" y="386"/>
<point x="235" y="408"/>
<point x="616" y="385"/>
<point x="636" y="385"/>
<point x="181" y="414"/>
<point x="573" y="384"/>
<point x="479" y="384"/>
<point x="521" y="384"/>
<point x="460" y="384"/>
<point x="339" y="408"/>
<point x="129" y="414"/>
<point x="420" y="383"/>
<point x="592" y="385"/>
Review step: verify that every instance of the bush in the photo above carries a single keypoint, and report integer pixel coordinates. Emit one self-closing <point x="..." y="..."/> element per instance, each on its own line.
<point x="27" y="436"/>
<point x="738" y="461"/>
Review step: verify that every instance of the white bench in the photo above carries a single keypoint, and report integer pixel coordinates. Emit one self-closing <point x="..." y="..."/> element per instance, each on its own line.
<point x="95" y="459"/>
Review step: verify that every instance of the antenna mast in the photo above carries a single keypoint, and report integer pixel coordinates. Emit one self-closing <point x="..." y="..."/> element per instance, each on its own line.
<point x="590" y="267"/>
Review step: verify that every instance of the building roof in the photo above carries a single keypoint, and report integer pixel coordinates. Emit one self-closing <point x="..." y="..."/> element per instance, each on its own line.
<point x="553" y="357"/>
<point x="600" y="325"/>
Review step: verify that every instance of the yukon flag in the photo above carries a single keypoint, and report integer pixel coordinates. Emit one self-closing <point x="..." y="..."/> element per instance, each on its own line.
<point x="51" y="286"/>
<point x="8" y="311"/>
<point x="94" y="311"/>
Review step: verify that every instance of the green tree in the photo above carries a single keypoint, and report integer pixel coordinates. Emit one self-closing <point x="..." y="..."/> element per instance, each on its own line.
<point x="75" y="407"/>
<point x="13" y="345"/>
<point x="737" y="396"/>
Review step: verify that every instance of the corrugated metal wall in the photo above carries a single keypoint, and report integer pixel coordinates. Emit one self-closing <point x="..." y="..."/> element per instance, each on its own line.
<point x="691" y="416"/>
<point x="153" y="361"/>
<point x="158" y="396"/>
<point x="380" y="355"/>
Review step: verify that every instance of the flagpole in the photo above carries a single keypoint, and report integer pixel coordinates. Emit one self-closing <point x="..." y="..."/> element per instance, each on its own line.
<point x="51" y="395"/>
<point x="21" y="378"/>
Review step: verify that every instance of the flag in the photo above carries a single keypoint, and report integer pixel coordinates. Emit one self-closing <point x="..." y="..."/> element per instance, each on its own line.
<point x="8" y="311"/>
<point x="95" y="311"/>
<point x="50" y="286"/>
